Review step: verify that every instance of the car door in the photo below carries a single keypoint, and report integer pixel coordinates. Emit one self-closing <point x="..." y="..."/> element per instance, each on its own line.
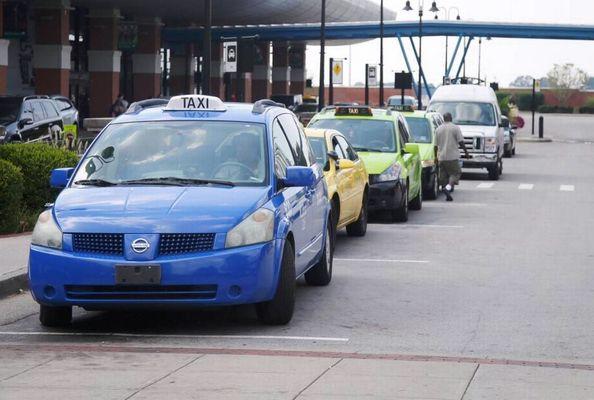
<point x="411" y="161"/>
<point x="54" y="120"/>
<point x="37" y="130"/>
<point x="358" y="176"/>
<point x="27" y="132"/>
<point x="342" y="181"/>
<point x="311" y="200"/>
<point x="349" y="178"/>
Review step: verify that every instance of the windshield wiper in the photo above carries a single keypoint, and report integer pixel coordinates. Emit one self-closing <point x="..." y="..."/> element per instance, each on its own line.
<point x="95" y="182"/>
<point x="171" y="180"/>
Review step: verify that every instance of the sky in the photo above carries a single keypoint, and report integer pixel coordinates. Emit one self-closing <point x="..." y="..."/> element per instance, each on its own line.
<point x="502" y="60"/>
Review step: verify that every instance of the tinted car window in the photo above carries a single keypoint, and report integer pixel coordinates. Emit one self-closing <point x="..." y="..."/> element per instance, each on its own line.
<point x="337" y="148"/>
<point x="9" y="109"/>
<point x="50" y="109"/>
<point x="38" y="113"/>
<point x="293" y="136"/>
<point x="350" y="153"/>
<point x="364" y="134"/>
<point x="420" y="129"/>
<point x="283" y="155"/>
<point x="63" y="104"/>
<point x="318" y="145"/>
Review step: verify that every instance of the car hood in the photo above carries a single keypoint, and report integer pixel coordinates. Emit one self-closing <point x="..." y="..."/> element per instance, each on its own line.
<point x="156" y="209"/>
<point x="478" y="130"/>
<point x="376" y="162"/>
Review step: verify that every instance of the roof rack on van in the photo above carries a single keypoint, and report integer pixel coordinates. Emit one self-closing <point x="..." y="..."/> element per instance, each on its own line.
<point x="143" y="104"/>
<point x="261" y="105"/>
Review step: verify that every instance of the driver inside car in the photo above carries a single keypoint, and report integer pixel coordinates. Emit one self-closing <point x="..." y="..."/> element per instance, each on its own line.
<point x="245" y="162"/>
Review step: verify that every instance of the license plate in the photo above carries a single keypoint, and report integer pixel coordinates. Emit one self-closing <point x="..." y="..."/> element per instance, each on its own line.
<point x="138" y="274"/>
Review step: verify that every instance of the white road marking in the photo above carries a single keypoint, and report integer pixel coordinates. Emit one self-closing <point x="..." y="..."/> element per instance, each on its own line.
<point x="407" y="225"/>
<point x="381" y="260"/>
<point x="567" y="188"/>
<point x="442" y="203"/>
<point x="241" y="337"/>
<point x="485" y="185"/>
<point x="526" y="186"/>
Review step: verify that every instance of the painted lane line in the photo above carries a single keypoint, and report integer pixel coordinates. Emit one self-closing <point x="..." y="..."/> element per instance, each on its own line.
<point x="381" y="260"/>
<point x="485" y="185"/>
<point x="440" y="204"/>
<point x="567" y="188"/>
<point x="148" y="335"/>
<point x="526" y="186"/>
<point x="407" y="225"/>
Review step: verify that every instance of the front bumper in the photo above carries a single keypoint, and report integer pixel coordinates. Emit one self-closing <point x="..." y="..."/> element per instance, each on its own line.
<point x="385" y="195"/>
<point x="220" y="277"/>
<point x="480" y="160"/>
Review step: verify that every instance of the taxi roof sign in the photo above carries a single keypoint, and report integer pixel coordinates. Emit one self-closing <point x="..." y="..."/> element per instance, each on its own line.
<point x="195" y="102"/>
<point x="363" y="111"/>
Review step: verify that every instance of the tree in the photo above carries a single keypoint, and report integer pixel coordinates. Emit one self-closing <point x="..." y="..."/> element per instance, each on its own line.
<point x="565" y="78"/>
<point x="522" y="81"/>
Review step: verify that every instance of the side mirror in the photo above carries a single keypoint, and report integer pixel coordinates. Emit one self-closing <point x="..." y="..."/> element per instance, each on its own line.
<point x="299" y="177"/>
<point x="504" y="123"/>
<point x="412" y="148"/>
<point x="333" y="155"/>
<point x="345" y="164"/>
<point x="24" y="122"/>
<point x="60" y="177"/>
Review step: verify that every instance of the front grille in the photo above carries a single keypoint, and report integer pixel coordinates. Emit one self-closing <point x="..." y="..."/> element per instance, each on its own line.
<point x="102" y="243"/>
<point x="149" y="292"/>
<point x="473" y="143"/>
<point x="179" y="243"/>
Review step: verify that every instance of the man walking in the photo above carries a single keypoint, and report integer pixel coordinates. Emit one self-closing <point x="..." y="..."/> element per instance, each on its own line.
<point x="449" y="140"/>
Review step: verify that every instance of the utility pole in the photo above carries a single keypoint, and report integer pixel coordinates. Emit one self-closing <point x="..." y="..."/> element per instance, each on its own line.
<point x="381" y="71"/>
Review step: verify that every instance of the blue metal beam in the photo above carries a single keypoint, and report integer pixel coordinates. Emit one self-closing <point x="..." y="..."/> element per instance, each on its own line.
<point x="419" y="65"/>
<point x="407" y="64"/>
<point x="454" y="56"/>
<point x="464" y="57"/>
<point x="370" y="30"/>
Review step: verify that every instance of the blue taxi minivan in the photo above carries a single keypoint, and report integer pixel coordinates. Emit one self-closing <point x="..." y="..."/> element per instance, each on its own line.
<point x="186" y="202"/>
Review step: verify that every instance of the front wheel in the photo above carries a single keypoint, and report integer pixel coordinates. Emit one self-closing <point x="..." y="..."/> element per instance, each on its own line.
<point x="279" y="310"/>
<point x="417" y="202"/>
<point x="55" y="316"/>
<point x="495" y="170"/>
<point x="359" y="227"/>
<point x="433" y="190"/>
<point x="401" y="213"/>
<point x="321" y="273"/>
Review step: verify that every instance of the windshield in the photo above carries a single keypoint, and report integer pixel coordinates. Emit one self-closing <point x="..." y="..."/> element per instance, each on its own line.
<point x="9" y="110"/>
<point x="364" y="134"/>
<point x="318" y="146"/>
<point x="230" y="152"/>
<point x="466" y="113"/>
<point x="420" y="129"/>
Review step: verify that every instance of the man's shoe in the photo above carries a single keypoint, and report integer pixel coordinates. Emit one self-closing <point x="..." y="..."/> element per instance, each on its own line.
<point x="447" y="194"/>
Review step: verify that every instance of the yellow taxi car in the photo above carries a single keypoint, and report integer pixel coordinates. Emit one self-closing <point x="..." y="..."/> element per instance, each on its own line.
<point x="346" y="177"/>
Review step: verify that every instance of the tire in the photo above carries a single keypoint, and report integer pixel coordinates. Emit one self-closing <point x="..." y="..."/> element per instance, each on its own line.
<point x="432" y="193"/>
<point x="401" y="213"/>
<point x="417" y="202"/>
<point x="279" y="310"/>
<point x="321" y="273"/>
<point x="359" y="227"/>
<point x="507" y="152"/>
<point x="514" y="151"/>
<point x="495" y="171"/>
<point x="55" y="316"/>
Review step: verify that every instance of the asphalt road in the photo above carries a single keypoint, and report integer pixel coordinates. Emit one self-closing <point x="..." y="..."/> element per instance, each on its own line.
<point x="504" y="272"/>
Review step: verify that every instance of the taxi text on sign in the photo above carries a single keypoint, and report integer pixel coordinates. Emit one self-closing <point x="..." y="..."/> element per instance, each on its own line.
<point x="230" y="56"/>
<point x="337" y="72"/>
<point x="195" y="103"/>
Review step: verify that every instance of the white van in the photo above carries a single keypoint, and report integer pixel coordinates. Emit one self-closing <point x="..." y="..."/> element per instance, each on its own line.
<point x="476" y="111"/>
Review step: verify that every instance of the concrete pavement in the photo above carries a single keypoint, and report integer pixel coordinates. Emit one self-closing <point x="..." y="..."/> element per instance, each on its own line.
<point x="14" y="254"/>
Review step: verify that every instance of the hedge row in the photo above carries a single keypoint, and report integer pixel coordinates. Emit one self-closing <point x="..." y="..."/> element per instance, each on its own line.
<point x="547" y="109"/>
<point x="33" y="163"/>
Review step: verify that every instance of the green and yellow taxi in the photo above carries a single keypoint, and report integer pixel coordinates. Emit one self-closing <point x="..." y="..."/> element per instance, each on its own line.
<point x="346" y="178"/>
<point x="422" y="126"/>
<point x="381" y="139"/>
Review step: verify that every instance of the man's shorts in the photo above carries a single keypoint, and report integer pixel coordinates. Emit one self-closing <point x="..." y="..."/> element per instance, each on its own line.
<point x="449" y="171"/>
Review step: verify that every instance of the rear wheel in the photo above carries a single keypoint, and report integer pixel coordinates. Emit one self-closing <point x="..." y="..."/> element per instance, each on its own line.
<point x="433" y="190"/>
<point x="279" y="310"/>
<point x="359" y="227"/>
<point x="401" y="213"/>
<point x="321" y="273"/>
<point x="55" y="316"/>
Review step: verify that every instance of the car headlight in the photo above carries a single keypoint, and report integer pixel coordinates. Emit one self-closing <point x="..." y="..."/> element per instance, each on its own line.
<point x="257" y="228"/>
<point x="392" y="173"/>
<point x="490" y="145"/>
<point x="46" y="232"/>
<point x="427" y="163"/>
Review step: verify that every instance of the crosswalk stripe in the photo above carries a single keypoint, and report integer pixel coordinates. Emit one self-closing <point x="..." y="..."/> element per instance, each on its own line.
<point x="485" y="185"/>
<point x="567" y="188"/>
<point x="526" y="186"/>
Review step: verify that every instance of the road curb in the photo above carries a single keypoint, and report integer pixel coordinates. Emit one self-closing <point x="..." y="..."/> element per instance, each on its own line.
<point x="534" y="140"/>
<point x="14" y="285"/>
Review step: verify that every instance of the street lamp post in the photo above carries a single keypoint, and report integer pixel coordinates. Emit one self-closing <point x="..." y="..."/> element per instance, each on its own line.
<point x="381" y="71"/>
<point x="447" y="12"/>
<point x="322" y="55"/>
<point x="433" y="9"/>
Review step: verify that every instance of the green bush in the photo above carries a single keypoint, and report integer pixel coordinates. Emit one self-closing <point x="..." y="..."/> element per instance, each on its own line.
<point x="589" y="103"/>
<point x="525" y="101"/>
<point x="36" y="161"/>
<point x="11" y="196"/>
<point x="587" y="110"/>
<point x="546" y="109"/>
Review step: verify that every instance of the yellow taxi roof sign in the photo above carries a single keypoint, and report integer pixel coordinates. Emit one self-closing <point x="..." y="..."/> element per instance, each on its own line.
<point x="195" y="102"/>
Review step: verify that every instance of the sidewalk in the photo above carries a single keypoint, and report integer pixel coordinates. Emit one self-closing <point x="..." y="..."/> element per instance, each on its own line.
<point x="118" y="373"/>
<point x="14" y="254"/>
